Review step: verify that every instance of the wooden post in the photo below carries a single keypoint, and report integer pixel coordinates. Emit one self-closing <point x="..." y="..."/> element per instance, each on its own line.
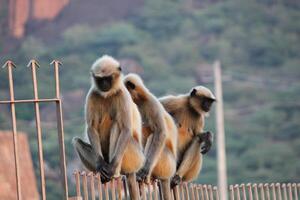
<point x="220" y="135"/>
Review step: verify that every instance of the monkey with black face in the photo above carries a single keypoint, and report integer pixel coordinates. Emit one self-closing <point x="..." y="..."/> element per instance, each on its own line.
<point x="159" y="135"/>
<point x="113" y="126"/>
<point x="189" y="113"/>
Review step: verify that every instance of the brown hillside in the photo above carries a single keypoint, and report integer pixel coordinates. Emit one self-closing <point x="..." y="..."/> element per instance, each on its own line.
<point x="7" y="168"/>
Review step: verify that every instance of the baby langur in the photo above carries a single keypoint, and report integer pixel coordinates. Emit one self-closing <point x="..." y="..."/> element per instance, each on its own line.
<point x="189" y="113"/>
<point x="159" y="135"/>
<point x="113" y="126"/>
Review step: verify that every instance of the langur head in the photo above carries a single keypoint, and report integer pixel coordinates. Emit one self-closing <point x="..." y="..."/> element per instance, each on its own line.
<point x="106" y="75"/>
<point x="136" y="88"/>
<point x="201" y="99"/>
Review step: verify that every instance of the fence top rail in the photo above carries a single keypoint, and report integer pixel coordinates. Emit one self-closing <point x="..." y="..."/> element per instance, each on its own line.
<point x="29" y="101"/>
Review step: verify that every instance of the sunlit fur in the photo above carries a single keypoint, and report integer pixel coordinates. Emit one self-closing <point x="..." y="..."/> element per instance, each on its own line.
<point x="111" y="118"/>
<point x="159" y="132"/>
<point x="190" y="120"/>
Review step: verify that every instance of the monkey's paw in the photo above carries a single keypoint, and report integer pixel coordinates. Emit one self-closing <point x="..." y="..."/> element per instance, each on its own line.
<point x="175" y="180"/>
<point x="142" y="175"/>
<point x="207" y="139"/>
<point x="106" y="171"/>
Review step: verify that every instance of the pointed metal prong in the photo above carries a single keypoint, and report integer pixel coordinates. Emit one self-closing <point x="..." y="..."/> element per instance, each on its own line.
<point x="33" y="63"/>
<point x="56" y="62"/>
<point x="9" y="63"/>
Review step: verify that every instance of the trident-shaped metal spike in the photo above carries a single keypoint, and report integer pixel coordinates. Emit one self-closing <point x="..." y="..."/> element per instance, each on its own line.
<point x="33" y="63"/>
<point x="56" y="63"/>
<point x="9" y="63"/>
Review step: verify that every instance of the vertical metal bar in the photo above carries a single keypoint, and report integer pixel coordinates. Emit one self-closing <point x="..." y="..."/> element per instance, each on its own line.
<point x="278" y="186"/>
<point x="77" y="183"/>
<point x="113" y="189"/>
<point x="298" y="185"/>
<point x="119" y="187"/>
<point x="125" y="187"/>
<point x="267" y="189"/>
<point x="273" y="191"/>
<point x="182" y="191"/>
<point x="243" y="191"/>
<point x="221" y="147"/>
<point x="155" y="190"/>
<point x="295" y="191"/>
<point x="201" y="191"/>
<point x="237" y="190"/>
<point x="85" y="188"/>
<point x="197" y="192"/>
<point x="9" y="64"/>
<point x="262" y="192"/>
<point x="60" y="130"/>
<point x="215" y="188"/>
<point x="206" y="192"/>
<point x="176" y="192"/>
<point x="250" y="191"/>
<point x="289" y="185"/>
<point x="211" y="197"/>
<point x="106" y="191"/>
<point x="187" y="191"/>
<point x="255" y="191"/>
<point x="231" y="192"/>
<point x="160" y="189"/>
<point x="33" y="64"/>
<point x="284" y="191"/>
<point x="149" y="191"/>
<point x="99" y="186"/>
<point x="142" y="188"/>
<point x="192" y="191"/>
<point x="92" y="185"/>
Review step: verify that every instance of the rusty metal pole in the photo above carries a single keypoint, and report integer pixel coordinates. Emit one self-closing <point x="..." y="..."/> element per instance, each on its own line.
<point x="221" y="148"/>
<point x="33" y="64"/>
<point x="99" y="186"/>
<point x="9" y="65"/>
<point x="273" y="191"/>
<point x="249" y="186"/>
<point x="77" y="183"/>
<point x="60" y="129"/>
<point x="215" y="188"/>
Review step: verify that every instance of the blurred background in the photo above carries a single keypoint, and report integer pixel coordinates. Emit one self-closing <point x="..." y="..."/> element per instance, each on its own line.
<point x="172" y="45"/>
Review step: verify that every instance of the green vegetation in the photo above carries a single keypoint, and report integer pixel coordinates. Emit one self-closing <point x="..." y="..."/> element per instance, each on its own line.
<point x="257" y="43"/>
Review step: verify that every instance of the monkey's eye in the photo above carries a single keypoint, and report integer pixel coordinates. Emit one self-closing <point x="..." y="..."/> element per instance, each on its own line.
<point x="120" y="68"/>
<point x="130" y="85"/>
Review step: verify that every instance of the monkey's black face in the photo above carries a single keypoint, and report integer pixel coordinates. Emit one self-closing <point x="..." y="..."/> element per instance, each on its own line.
<point x="206" y="103"/>
<point x="103" y="83"/>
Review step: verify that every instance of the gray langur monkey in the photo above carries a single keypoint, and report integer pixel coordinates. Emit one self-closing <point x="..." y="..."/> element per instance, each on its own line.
<point x="159" y="135"/>
<point x="189" y="113"/>
<point x="113" y="126"/>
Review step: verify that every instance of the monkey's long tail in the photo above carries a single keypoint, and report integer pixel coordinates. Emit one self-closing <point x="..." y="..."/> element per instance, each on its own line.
<point x="86" y="153"/>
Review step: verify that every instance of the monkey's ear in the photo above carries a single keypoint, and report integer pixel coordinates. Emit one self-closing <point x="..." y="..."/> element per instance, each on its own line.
<point x="193" y="92"/>
<point x="130" y="85"/>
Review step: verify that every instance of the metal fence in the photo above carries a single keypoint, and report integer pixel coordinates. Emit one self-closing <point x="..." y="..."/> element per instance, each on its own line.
<point x="89" y="186"/>
<point x="33" y="65"/>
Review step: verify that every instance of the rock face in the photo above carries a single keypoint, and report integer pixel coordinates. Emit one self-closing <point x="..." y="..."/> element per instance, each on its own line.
<point x="47" y="9"/>
<point x="18" y="16"/>
<point x="7" y="168"/>
<point x="20" y="11"/>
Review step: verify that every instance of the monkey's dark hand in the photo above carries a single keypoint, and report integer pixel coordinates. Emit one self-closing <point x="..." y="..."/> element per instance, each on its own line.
<point x="175" y="180"/>
<point x="207" y="139"/>
<point x="142" y="174"/>
<point x="105" y="170"/>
